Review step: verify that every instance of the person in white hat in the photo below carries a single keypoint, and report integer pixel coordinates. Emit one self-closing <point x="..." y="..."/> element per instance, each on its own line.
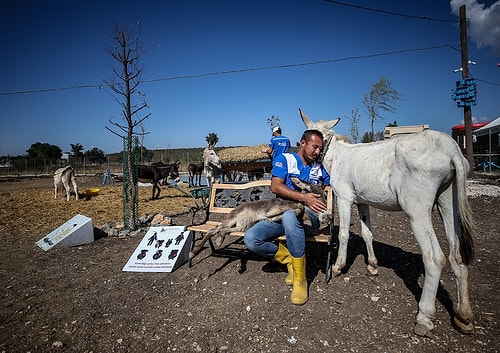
<point x="278" y="144"/>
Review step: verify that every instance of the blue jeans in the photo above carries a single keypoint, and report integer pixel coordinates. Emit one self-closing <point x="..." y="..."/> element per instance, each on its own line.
<point x="260" y="237"/>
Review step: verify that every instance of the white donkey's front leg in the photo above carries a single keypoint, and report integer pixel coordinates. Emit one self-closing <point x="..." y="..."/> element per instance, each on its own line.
<point x="57" y="180"/>
<point x="367" y="235"/>
<point x="344" y="209"/>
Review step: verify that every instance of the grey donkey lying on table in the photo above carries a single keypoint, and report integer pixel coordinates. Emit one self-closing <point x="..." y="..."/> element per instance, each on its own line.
<point x="244" y="216"/>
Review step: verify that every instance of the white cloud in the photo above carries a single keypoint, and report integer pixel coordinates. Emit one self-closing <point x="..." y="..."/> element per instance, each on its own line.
<point x="484" y="26"/>
<point x="481" y="119"/>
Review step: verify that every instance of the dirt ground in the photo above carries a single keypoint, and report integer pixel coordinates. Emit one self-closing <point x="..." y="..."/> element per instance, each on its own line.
<point x="79" y="300"/>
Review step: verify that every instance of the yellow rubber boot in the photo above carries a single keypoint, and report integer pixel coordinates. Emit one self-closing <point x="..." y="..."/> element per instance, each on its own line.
<point x="283" y="257"/>
<point x="299" y="292"/>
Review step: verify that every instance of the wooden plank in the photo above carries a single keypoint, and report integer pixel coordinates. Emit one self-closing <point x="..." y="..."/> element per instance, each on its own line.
<point x="223" y="210"/>
<point x="205" y="227"/>
<point x="329" y="200"/>
<point x="251" y="184"/>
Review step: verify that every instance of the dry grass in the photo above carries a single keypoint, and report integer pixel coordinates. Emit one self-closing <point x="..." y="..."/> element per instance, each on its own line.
<point x="24" y="208"/>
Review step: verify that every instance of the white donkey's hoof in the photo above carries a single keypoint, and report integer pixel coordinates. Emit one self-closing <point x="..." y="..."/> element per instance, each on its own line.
<point x="372" y="270"/>
<point x="335" y="270"/>
<point x="422" y="330"/>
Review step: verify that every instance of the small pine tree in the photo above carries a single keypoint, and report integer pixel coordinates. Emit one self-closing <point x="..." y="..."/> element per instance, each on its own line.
<point x="212" y="139"/>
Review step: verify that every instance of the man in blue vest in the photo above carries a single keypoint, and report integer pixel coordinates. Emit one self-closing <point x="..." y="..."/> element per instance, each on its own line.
<point x="278" y="144"/>
<point x="260" y="238"/>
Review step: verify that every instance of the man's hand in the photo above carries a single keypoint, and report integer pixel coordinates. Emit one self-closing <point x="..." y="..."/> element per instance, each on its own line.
<point x="314" y="202"/>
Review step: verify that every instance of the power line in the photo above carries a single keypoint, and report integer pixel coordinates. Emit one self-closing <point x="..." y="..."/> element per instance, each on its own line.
<point x="357" y="57"/>
<point x="49" y="89"/>
<point x="303" y="64"/>
<point x="426" y="18"/>
<point x="488" y="82"/>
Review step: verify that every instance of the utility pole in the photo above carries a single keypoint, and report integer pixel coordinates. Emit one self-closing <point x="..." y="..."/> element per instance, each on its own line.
<point x="469" y="149"/>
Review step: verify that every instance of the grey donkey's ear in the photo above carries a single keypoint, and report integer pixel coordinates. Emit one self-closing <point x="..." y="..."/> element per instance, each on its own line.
<point x="302" y="185"/>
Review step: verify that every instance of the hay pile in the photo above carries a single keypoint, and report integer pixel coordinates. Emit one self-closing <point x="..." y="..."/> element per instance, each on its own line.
<point x="243" y="153"/>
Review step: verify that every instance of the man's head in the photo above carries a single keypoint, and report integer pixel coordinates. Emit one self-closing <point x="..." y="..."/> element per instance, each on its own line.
<point x="311" y="145"/>
<point x="276" y="131"/>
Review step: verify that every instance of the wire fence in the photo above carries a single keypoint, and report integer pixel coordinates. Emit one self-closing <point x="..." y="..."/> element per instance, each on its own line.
<point x="129" y="188"/>
<point x="30" y="167"/>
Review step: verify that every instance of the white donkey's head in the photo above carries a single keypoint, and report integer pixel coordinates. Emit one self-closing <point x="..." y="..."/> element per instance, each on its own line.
<point x="211" y="159"/>
<point x="324" y="126"/>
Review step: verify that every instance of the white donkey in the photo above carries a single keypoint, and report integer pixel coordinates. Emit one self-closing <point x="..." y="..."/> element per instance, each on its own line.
<point x="211" y="163"/>
<point x="410" y="174"/>
<point x="65" y="176"/>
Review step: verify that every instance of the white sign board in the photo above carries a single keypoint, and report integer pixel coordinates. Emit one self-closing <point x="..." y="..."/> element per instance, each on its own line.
<point x="77" y="231"/>
<point x="162" y="249"/>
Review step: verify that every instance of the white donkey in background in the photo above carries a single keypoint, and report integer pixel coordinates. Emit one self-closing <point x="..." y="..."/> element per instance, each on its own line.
<point x="65" y="176"/>
<point x="409" y="174"/>
<point x="211" y="164"/>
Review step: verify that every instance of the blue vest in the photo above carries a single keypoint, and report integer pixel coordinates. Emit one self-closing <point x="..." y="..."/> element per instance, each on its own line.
<point x="279" y="144"/>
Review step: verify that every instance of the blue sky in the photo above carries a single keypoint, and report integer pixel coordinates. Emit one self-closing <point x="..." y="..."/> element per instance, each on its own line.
<point x="61" y="44"/>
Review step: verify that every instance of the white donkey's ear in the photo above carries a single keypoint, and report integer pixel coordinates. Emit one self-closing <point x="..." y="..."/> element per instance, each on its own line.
<point x="307" y="122"/>
<point x="332" y="123"/>
<point x="321" y="125"/>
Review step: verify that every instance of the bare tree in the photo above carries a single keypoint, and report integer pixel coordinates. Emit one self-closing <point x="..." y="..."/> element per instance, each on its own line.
<point x="126" y="51"/>
<point x="380" y="97"/>
<point x="142" y="134"/>
<point x="273" y="121"/>
<point x="354" y="124"/>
